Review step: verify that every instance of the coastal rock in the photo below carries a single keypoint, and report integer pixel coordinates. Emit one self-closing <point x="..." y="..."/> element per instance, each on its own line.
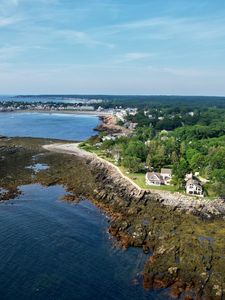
<point x="179" y="231"/>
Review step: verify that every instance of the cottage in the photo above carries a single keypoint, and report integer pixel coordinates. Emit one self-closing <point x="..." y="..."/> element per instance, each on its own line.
<point x="108" y="138"/>
<point x="194" y="187"/>
<point x="166" y="174"/>
<point x="153" y="178"/>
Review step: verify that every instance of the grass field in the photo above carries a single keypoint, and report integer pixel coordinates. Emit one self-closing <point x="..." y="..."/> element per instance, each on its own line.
<point x="138" y="178"/>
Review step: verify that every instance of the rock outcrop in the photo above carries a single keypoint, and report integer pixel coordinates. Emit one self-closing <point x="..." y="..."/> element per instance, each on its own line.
<point x="185" y="235"/>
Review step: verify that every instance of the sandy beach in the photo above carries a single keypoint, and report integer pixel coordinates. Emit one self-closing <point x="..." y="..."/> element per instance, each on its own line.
<point x="73" y="112"/>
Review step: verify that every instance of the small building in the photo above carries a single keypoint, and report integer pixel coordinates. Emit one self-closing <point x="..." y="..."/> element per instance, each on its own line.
<point x="166" y="174"/>
<point x="194" y="187"/>
<point x="108" y="138"/>
<point x="153" y="178"/>
<point x="98" y="145"/>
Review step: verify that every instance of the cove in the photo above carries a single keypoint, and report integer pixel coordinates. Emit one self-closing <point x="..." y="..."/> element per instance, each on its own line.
<point x="48" y="125"/>
<point x="52" y="249"/>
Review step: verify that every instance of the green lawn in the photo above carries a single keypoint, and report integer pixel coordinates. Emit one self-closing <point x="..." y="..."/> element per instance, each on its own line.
<point x="138" y="178"/>
<point x="101" y="153"/>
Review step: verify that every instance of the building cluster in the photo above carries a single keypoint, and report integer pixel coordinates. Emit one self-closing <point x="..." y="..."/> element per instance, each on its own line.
<point x="193" y="185"/>
<point x="161" y="115"/>
<point x="122" y="113"/>
<point x="7" y="107"/>
<point x="164" y="177"/>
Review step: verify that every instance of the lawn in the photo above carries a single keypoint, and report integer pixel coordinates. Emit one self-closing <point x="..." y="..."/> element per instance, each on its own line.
<point x="101" y="153"/>
<point x="138" y="178"/>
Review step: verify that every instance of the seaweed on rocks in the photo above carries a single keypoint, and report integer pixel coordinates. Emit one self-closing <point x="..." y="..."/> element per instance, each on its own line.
<point x="187" y="246"/>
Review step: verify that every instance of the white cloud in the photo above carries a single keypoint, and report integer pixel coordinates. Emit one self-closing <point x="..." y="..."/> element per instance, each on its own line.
<point x="168" y="27"/>
<point x="71" y="78"/>
<point x="79" y="37"/>
<point x="11" y="51"/>
<point x="133" y="56"/>
<point x="8" y="52"/>
<point x="8" y="21"/>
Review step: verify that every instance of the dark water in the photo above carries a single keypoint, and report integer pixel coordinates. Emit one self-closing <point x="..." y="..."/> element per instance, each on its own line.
<point x="54" y="250"/>
<point x="50" y="249"/>
<point x="52" y="125"/>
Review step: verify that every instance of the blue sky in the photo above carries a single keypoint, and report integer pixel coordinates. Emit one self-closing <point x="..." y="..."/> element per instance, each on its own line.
<point x="112" y="46"/>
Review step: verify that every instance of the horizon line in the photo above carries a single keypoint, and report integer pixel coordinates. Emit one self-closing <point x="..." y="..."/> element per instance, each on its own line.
<point x="100" y="94"/>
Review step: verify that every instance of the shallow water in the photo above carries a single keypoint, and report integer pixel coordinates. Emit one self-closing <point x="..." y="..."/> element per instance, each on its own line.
<point x="48" y="125"/>
<point x="51" y="249"/>
<point x="37" y="167"/>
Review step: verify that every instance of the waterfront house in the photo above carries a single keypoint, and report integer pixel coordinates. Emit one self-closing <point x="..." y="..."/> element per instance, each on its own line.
<point x="194" y="187"/>
<point x="153" y="178"/>
<point x="166" y="175"/>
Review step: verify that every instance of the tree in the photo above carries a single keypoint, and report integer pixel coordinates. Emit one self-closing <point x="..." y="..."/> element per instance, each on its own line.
<point x="218" y="189"/>
<point x="180" y="170"/>
<point x="137" y="149"/>
<point x="117" y="152"/>
<point x="174" y="157"/>
<point x="156" y="155"/>
<point x="132" y="163"/>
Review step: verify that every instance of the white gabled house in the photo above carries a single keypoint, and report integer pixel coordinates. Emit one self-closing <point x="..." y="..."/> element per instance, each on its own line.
<point x="154" y="178"/>
<point x="194" y="187"/>
<point x="166" y="175"/>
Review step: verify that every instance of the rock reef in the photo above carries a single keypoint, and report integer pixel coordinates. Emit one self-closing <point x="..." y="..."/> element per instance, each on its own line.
<point x="184" y="235"/>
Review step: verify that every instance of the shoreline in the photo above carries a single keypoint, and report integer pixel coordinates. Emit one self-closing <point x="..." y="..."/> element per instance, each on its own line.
<point x="165" y="225"/>
<point x="138" y="218"/>
<point x="72" y="112"/>
<point x="200" y="207"/>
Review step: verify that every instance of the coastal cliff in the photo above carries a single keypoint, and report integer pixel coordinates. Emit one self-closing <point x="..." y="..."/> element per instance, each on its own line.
<point x="109" y="125"/>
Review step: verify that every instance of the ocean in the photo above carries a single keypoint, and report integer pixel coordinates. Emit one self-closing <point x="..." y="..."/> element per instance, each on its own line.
<point x="56" y="250"/>
<point x="48" y="125"/>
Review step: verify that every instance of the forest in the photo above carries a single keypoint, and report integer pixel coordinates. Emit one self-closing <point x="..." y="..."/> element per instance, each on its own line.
<point x="182" y="137"/>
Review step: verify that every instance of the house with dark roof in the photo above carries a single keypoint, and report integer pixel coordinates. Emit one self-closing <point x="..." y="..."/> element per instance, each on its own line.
<point x="153" y="178"/>
<point x="194" y="187"/>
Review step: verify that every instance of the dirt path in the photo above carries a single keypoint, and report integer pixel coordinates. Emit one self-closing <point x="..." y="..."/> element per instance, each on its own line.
<point x="73" y="149"/>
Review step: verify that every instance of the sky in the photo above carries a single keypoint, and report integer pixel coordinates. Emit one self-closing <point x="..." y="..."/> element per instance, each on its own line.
<point x="146" y="47"/>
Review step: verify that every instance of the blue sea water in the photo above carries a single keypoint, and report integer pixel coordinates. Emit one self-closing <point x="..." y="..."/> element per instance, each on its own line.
<point x="51" y="249"/>
<point x="48" y="125"/>
<point x="56" y="250"/>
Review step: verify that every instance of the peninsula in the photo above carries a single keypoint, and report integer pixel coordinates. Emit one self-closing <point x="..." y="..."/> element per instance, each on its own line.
<point x="161" y="218"/>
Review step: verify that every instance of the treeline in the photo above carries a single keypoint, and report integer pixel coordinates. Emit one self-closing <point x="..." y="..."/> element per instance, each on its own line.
<point x="185" y="148"/>
<point x="169" y="102"/>
<point x="170" y="119"/>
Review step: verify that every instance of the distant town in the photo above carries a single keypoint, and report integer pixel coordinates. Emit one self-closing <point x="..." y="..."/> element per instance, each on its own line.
<point x="81" y="105"/>
<point x="169" y="143"/>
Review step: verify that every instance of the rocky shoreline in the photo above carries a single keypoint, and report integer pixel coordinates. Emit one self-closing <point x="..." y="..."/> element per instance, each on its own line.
<point x="110" y="126"/>
<point x="186" y="243"/>
<point x="127" y="188"/>
<point x="186" y="240"/>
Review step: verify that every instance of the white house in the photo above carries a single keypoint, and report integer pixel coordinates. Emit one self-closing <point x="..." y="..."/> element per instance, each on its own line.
<point x="153" y="178"/>
<point x="166" y="174"/>
<point x="194" y="187"/>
